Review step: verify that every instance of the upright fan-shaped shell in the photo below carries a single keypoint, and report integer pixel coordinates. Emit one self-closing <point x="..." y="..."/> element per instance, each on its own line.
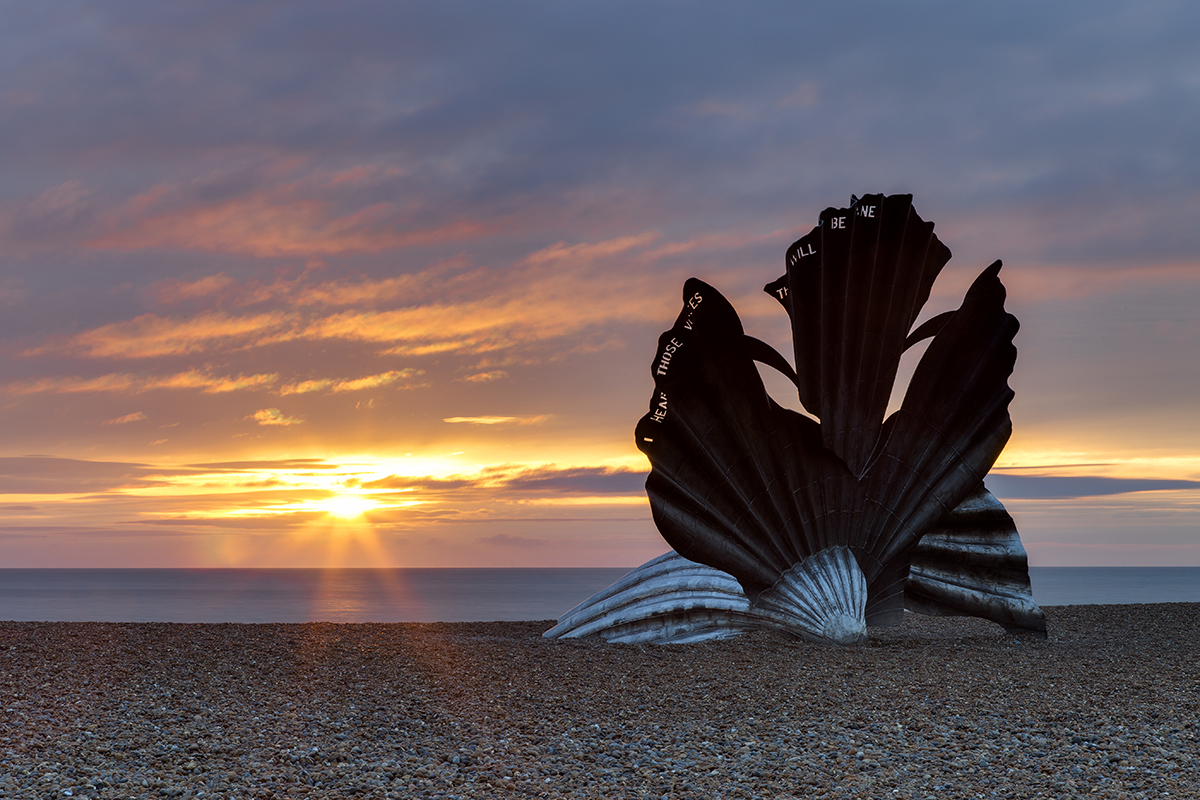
<point x="746" y="486"/>
<point x="820" y="521"/>
<point x="853" y="288"/>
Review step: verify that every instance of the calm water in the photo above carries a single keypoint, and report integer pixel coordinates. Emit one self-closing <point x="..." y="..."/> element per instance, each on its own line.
<point x="429" y="595"/>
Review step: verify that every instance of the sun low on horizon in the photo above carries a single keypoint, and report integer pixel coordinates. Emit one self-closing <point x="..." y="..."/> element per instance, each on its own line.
<point x="304" y="289"/>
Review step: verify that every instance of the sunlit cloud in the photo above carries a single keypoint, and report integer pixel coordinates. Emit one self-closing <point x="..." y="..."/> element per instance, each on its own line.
<point x="151" y="335"/>
<point x="273" y="416"/>
<point x="173" y="291"/>
<point x="1025" y="460"/>
<point x="350" y="385"/>
<point x="586" y="252"/>
<point x="298" y="488"/>
<point x="130" y="383"/>
<point x="596" y="500"/>
<point x="136" y="416"/>
<point x="448" y="277"/>
<point x="492" y="420"/>
<point x="485" y="377"/>
<point x="275" y="224"/>
<point x="496" y="313"/>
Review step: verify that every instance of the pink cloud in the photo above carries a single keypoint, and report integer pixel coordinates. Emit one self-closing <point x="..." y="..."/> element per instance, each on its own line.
<point x="171" y="292"/>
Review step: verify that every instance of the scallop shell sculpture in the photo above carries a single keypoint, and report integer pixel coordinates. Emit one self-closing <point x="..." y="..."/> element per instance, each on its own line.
<point x="828" y="525"/>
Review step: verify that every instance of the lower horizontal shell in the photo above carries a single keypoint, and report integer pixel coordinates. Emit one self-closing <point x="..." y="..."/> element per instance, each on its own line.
<point x="673" y="600"/>
<point x="666" y="600"/>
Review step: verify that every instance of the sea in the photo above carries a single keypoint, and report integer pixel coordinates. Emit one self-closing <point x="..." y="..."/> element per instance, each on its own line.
<point x="431" y="595"/>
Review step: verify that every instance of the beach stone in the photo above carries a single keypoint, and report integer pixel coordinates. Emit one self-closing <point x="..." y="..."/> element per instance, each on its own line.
<point x="909" y="714"/>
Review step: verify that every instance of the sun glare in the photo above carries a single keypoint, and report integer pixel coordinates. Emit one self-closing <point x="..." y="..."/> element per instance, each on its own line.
<point x="346" y="506"/>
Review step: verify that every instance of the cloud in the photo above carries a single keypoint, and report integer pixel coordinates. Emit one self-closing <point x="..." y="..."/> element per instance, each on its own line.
<point x="585" y="480"/>
<point x="533" y="420"/>
<point x="514" y="480"/>
<point x="1055" y="487"/>
<point x="173" y="291"/>
<point x="266" y="465"/>
<point x="350" y="385"/>
<point x="507" y="540"/>
<point x="485" y="377"/>
<point x="420" y="482"/>
<point x="586" y="252"/>
<point x="479" y="312"/>
<point x="129" y="383"/>
<point x="715" y="108"/>
<point x="48" y="475"/>
<point x="273" y="416"/>
<point x="151" y="335"/>
<point x="1051" y="283"/>
<point x="136" y="416"/>
<point x="56" y="212"/>
<point x="270" y="225"/>
<point x="804" y="97"/>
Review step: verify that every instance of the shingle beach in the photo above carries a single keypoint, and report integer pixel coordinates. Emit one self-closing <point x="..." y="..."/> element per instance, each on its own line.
<point x="1107" y="706"/>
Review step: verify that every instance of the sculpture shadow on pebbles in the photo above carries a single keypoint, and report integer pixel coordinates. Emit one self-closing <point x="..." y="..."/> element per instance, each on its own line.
<point x="824" y="527"/>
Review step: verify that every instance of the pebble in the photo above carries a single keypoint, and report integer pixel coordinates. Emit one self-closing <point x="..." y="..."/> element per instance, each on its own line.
<point x="1107" y="707"/>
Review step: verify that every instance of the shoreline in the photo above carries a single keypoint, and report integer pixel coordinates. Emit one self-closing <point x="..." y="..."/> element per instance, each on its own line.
<point x="939" y="707"/>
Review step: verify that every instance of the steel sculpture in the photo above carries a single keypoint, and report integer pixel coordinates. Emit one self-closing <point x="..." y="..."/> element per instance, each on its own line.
<point x="823" y="527"/>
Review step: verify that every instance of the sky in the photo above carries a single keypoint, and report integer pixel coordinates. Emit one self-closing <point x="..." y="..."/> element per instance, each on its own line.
<point x="378" y="284"/>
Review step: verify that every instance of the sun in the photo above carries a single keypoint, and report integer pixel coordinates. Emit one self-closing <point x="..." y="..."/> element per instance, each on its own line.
<point x="346" y="506"/>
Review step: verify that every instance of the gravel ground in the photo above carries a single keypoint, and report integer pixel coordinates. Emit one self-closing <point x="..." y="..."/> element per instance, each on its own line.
<point x="936" y="708"/>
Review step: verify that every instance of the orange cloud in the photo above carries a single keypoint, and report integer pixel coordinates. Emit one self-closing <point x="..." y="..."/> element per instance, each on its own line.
<point x="128" y="383"/>
<point x="273" y="416"/>
<point x="497" y="420"/>
<point x="485" y="377"/>
<point x="348" y="385"/>
<point x="272" y="225"/>
<point x="590" y="251"/>
<point x="550" y="295"/>
<point x="151" y="335"/>
<point x="538" y="306"/>
<point x="136" y="416"/>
